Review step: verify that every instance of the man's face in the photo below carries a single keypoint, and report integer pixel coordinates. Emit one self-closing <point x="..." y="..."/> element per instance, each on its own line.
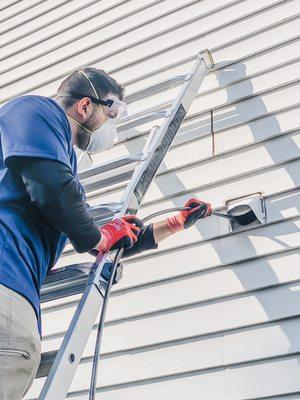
<point x="91" y="116"/>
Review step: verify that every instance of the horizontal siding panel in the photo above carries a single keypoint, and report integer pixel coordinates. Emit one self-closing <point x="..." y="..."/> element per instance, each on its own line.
<point x="220" y="284"/>
<point x="286" y="236"/>
<point x="252" y="381"/>
<point x="244" y="46"/>
<point x="256" y="63"/>
<point x="280" y="77"/>
<point x="194" y="355"/>
<point x="12" y="7"/>
<point x="271" y="180"/>
<point x="232" y="92"/>
<point x="244" y="310"/>
<point x="219" y="350"/>
<point x="263" y="379"/>
<point x="240" y="110"/>
<point x="201" y="288"/>
<point x="283" y="397"/>
<point x="257" y="130"/>
<point x="163" y="42"/>
<point x="211" y="387"/>
<point x="225" y="140"/>
<point x="259" y="39"/>
<point x="39" y="8"/>
<point x="115" y="20"/>
<point x="75" y="48"/>
<point x="190" y="355"/>
<point x="74" y="25"/>
<point x="194" y="138"/>
<point x="264" y="153"/>
<point x="121" y="310"/>
<point x="225" y="168"/>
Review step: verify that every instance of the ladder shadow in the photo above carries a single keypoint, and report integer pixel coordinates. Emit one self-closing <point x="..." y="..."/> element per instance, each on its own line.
<point x="241" y="112"/>
<point x="280" y="233"/>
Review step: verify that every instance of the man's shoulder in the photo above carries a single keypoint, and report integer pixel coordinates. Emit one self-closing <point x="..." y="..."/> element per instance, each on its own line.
<point x="35" y="104"/>
<point x="41" y="109"/>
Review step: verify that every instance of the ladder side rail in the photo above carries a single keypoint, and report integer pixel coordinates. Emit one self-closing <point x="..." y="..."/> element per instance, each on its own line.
<point x="162" y="139"/>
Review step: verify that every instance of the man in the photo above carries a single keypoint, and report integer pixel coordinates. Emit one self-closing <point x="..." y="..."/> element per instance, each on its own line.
<point x="42" y="204"/>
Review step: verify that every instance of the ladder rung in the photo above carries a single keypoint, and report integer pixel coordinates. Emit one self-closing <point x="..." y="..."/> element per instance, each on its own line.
<point x="158" y="87"/>
<point x="110" y="165"/>
<point x="140" y="118"/>
<point x="101" y="182"/>
<point x="65" y="281"/>
<point x="109" y="173"/>
<point x="104" y="212"/>
<point x="46" y="363"/>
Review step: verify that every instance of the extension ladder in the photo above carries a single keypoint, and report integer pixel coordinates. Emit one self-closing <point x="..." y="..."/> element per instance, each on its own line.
<point x="60" y="366"/>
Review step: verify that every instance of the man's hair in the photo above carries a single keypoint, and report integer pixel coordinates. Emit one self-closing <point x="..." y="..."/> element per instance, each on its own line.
<point x="78" y="83"/>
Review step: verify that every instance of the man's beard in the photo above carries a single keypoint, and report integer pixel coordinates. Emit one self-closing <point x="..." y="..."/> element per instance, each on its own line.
<point x="82" y="138"/>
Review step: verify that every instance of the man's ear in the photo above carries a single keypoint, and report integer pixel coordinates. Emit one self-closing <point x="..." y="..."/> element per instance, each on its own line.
<point x="83" y="106"/>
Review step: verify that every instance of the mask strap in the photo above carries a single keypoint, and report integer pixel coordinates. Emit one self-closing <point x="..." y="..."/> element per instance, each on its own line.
<point x="93" y="87"/>
<point x="91" y="83"/>
<point x="76" y="122"/>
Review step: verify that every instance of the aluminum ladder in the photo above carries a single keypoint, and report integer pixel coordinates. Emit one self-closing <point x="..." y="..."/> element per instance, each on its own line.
<point x="60" y="366"/>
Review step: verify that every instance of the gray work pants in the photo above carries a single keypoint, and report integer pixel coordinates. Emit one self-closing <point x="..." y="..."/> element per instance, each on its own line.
<point x="20" y="347"/>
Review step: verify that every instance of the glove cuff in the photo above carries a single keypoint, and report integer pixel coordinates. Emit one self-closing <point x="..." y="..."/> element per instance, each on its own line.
<point x="175" y="224"/>
<point x="105" y="242"/>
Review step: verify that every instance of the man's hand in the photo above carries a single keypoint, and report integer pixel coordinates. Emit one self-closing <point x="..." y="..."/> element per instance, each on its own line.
<point x="185" y="219"/>
<point x="119" y="233"/>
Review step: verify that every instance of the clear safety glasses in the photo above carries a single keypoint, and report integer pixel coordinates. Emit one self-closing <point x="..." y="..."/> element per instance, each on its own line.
<point x="115" y="104"/>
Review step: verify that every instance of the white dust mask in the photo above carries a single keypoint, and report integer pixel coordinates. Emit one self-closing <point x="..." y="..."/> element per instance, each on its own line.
<point x="103" y="138"/>
<point x="100" y="140"/>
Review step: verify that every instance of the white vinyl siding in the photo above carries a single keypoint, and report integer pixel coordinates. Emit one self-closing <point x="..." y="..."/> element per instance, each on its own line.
<point x="210" y="314"/>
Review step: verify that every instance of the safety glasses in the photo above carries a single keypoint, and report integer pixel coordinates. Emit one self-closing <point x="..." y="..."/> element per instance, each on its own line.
<point x="115" y="104"/>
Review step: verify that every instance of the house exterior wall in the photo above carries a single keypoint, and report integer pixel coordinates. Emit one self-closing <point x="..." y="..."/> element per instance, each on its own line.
<point x="212" y="314"/>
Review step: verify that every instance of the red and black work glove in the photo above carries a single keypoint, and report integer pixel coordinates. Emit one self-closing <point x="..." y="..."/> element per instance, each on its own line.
<point x="122" y="232"/>
<point x="185" y="219"/>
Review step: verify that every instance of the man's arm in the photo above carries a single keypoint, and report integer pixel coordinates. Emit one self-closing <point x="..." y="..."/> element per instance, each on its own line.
<point x="145" y="241"/>
<point x="161" y="231"/>
<point x="151" y="235"/>
<point x="56" y="194"/>
<point x="59" y="198"/>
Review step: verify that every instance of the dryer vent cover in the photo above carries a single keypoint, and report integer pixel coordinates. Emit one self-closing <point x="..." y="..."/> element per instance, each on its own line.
<point x="248" y="209"/>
